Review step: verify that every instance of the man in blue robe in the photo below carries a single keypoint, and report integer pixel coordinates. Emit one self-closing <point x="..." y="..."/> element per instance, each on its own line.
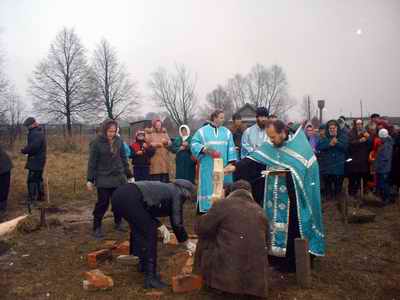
<point x="291" y="197"/>
<point x="254" y="136"/>
<point x="211" y="141"/>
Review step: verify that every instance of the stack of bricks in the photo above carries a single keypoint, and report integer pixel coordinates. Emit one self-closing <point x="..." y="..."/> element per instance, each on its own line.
<point x="183" y="279"/>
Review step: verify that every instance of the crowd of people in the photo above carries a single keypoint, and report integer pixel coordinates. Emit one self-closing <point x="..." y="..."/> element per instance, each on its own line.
<point x="275" y="174"/>
<point x="367" y="154"/>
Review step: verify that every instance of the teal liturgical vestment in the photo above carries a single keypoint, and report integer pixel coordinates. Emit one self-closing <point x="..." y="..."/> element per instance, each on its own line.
<point x="295" y="155"/>
<point x="219" y="139"/>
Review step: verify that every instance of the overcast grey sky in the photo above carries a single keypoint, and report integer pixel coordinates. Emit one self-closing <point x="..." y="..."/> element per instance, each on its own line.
<point x="316" y="42"/>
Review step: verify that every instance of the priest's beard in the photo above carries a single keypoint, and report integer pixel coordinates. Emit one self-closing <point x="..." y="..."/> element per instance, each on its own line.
<point x="260" y="123"/>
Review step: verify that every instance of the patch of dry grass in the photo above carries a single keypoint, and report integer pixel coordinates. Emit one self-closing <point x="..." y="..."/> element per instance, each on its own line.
<point x="362" y="261"/>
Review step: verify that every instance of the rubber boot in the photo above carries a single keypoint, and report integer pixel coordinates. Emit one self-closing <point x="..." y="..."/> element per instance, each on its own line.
<point x="98" y="233"/>
<point x="120" y="227"/>
<point x="151" y="280"/>
<point x="41" y="196"/>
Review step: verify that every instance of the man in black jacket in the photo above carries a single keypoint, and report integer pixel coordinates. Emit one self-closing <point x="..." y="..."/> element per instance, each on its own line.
<point x="5" y="175"/>
<point x="140" y="204"/>
<point x="36" y="151"/>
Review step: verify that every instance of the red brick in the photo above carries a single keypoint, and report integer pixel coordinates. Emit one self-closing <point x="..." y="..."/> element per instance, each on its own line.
<point x="154" y="295"/>
<point x="181" y="263"/>
<point x="173" y="241"/>
<point x="186" y="283"/>
<point x="110" y="244"/>
<point x="96" y="279"/>
<point x="94" y="258"/>
<point x="121" y="249"/>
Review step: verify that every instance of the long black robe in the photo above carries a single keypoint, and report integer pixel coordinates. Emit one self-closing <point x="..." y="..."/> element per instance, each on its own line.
<point x="250" y="170"/>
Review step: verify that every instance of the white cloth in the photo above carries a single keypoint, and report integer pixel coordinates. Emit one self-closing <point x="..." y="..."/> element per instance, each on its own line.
<point x="184" y="138"/>
<point x="165" y="233"/>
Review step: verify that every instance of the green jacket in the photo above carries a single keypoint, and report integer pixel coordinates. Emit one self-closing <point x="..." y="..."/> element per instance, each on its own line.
<point x="107" y="168"/>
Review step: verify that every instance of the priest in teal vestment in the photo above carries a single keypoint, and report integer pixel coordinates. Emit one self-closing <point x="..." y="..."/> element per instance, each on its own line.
<point x="211" y="141"/>
<point x="295" y="156"/>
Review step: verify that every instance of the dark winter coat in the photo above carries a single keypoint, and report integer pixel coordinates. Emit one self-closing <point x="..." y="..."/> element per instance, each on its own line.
<point x="185" y="165"/>
<point x="141" y="160"/>
<point x="166" y="199"/>
<point x="334" y="156"/>
<point x="107" y="168"/>
<point x="359" y="153"/>
<point x="5" y="161"/>
<point x="396" y="161"/>
<point x="383" y="162"/>
<point x="231" y="253"/>
<point x="35" y="149"/>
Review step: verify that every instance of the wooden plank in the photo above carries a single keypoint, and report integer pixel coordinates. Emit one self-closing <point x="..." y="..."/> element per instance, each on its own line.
<point x="9" y="226"/>
<point x="303" y="264"/>
<point x="218" y="180"/>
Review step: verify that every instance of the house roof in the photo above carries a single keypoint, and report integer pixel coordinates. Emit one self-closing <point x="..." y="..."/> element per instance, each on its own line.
<point x="247" y="107"/>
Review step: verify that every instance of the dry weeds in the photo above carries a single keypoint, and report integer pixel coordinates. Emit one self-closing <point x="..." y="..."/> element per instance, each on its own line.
<point x="361" y="263"/>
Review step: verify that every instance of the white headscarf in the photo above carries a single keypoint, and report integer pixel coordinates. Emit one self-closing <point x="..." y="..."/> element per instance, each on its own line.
<point x="383" y="133"/>
<point x="184" y="138"/>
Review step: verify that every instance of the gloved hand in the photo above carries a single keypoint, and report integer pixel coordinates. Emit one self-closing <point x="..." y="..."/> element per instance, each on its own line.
<point x="190" y="246"/>
<point x="131" y="180"/>
<point x="89" y="186"/>
<point x="166" y="234"/>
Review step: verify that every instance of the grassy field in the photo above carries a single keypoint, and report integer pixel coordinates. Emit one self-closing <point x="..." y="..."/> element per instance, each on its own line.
<point x="362" y="262"/>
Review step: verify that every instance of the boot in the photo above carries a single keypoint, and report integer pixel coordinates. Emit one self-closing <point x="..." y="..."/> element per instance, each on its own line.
<point x="151" y="279"/>
<point x="98" y="234"/>
<point x="141" y="265"/>
<point x="41" y="196"/>
<point x="120" y="227"/>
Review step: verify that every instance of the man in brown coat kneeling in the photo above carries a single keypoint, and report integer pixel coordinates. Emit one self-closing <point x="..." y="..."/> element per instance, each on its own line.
<point x="232" y="253"/>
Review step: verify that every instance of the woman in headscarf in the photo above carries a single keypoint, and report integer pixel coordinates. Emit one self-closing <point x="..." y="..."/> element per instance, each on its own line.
<point x="311" y="136"/>
<point x="185" y="165"/>
<point x="158" y="138"/>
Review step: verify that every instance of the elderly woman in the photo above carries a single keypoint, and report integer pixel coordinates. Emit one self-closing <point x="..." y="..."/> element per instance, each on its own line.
<point x="185" y="164"/>
<point x="311" y="136"/>
<point x="158" y="138"/>
<point x="359" y="148"/>
<point x="334" y="148"/>
<point x="231" y="253"/>
<point x="108" y="168"/>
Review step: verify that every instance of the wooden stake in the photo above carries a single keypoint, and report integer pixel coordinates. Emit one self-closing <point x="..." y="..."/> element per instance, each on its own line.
<point x="43" y="222"/>
<point x="9" y="226"/>
<point x="303" y="264"/>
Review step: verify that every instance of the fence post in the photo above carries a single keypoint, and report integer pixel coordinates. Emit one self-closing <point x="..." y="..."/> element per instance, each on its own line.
<point x="303" y="264"/>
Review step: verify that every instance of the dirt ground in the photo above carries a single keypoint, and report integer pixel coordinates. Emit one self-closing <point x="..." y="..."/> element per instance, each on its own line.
<point x="362" y="261"/>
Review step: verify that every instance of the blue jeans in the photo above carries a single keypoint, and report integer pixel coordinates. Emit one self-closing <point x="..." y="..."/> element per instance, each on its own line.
<point x="383" y="186"/>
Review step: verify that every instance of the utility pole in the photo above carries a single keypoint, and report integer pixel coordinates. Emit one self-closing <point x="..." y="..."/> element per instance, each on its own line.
<point x="321" y="105"/>
<point x="308" y="108"/>
<point x="361" y="108"/>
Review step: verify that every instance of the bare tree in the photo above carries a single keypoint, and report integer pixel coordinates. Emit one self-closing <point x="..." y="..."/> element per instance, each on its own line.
<point x="263" y="86"/>
<point x="175" y="92"/>
<point x="118" y="94"/>
<point x="218" y="99"/>
<point x="14" y="114"/>
<point x="308" y="108"/>
<point x="61" y="84"/>
<point x="3" y="87"/>
<point x="236" y="89"/>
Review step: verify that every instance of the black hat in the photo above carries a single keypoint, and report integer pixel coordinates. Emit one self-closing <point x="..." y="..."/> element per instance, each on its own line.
<point x="262" y="112"/>
<point x="29" y="121"/>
